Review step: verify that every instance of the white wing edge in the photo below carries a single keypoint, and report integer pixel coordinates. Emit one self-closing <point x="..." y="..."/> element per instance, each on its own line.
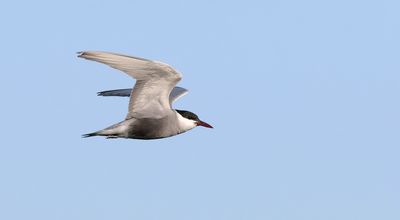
<point x="176" y="93"/>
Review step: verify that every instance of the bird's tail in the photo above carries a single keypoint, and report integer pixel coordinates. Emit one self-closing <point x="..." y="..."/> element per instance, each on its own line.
<point x="90" y="135"/>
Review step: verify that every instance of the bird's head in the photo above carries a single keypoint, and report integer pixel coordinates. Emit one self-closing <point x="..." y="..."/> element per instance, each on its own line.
<point x="194" y="118"/>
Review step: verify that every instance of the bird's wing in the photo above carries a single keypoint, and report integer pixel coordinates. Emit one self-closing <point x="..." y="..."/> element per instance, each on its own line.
<point x="154" y="82"/>
<point x="116" y="92"/>
<point x="176" y="93"/>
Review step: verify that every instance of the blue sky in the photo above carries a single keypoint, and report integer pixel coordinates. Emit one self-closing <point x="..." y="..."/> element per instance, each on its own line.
<point x="303" y="96"/>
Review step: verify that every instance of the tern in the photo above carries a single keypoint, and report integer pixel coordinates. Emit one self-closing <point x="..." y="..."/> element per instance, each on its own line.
<point x="150" y="114"/>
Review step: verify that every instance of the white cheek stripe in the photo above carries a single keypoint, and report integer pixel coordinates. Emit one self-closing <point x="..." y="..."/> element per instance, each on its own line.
<point x="185" y="124"/>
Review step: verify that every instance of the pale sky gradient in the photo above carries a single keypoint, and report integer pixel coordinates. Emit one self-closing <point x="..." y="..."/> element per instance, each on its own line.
<point x="303" y="95"/>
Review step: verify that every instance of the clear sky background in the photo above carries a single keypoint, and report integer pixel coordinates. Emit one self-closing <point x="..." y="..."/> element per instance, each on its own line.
<point x="303" y="95"/>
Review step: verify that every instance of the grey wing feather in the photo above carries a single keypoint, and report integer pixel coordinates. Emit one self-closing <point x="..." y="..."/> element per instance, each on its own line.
<point x="117" y="92"/>
<point x="154" y="82"/>
<point x="176" y="93"/>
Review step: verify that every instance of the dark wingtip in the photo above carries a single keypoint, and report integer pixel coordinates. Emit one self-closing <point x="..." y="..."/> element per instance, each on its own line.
<point x="117" y="92"/>
<point x="103" y="93"/>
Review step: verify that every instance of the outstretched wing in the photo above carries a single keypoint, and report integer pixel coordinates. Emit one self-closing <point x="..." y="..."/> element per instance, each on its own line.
<point x="154" y="82"/>
<point x="176" y="93"/>
<point x="116" y="92"/>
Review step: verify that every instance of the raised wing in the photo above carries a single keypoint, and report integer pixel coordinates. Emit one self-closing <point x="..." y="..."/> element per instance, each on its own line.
<point x="176" y="93"/>
<point x="154" y="82"/>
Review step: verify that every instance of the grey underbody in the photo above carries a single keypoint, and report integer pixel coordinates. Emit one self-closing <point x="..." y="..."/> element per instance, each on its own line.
<point x="142" y="128"/>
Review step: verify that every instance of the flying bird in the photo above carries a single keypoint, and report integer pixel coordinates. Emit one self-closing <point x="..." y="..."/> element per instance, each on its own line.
<point x="150" y="113"/>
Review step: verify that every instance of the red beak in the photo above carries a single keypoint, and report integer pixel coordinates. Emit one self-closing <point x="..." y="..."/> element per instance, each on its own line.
<point x="202" y="123"/>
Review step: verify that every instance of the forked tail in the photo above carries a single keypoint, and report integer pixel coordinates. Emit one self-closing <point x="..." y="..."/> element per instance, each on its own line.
<point x="89" y="135"/>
